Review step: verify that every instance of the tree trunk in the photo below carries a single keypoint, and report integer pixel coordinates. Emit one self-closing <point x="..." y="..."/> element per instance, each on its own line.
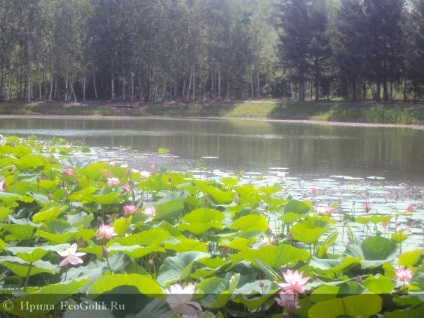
<point x="258" y="87"/>
<point x="95" y="86"/>
<point x="301" y="90"/>
<point x="219" y="82"/>
<point x="194" y="81"/>
<point x="29" y="51"/>
<point x="132" y="85"/>
<point x="112" y="87"/>
<point x="189" y="85"/>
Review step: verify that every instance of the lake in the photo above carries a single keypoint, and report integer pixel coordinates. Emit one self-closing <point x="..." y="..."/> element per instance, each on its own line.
<point x="312" y="150"/>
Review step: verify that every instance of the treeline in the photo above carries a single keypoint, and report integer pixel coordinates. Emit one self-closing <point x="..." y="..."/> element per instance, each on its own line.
<point x="186" y="50"/>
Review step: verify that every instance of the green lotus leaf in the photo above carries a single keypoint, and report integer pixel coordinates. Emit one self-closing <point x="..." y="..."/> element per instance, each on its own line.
<point x="121" y="225"/>
<point x="176" y="268"/>
<point x="49" y="296"/>
<point x="21" y="151"/>
<point x="238" y="244"/>
<point x="299" y="207"/>
<point x="9" y="198"/>
<point x="200" y="220"/>
<point x="250" y="223"/>
<point x="163" y="150"/>
<point x="335" y="265"/>
<point x="4" y="213"/>
<point x="30" y="161"/>
<point x="145" y="238"/>
<point x="291" y="217"/>
<point x="186" y="245"/>
<point x="48" y="185"/>
<point x="352" y="306"/>
<point x="219" y="197"/>
<point x="96" y="268"/>
<point x="270" y="190"/>
<point x="80" y="219"/>
<point x="57" y="237"/>
<point x="253" y="295"/>
<point x="95" y="171"/>
<point x="330" y="240"/>
<point x="379" y="284"/>
<point x="218" y="291"/>
<point x="169" y="209"/>
<point x="417" y="281"/>
<point x="415" y="312"/>
<point x="324" y="292"/>
<point x="19" y="232"/>
<point x="48" y="214"/>
<point x="135" y="251"/>
<point x="41" y="199"/>
<point x="230" y="182"/>
<point x="410" y="258"/>
<point x="378" y="248"/>
<point x="276" y="256"/>
<point x="21" y="268"/>
<point x="306" y="232"/>
<point x="2" y="246"/>
<point x="144" y="283"/>
<point x="373" y="219"/>
<point x="84" y="195"/>
<point x="398" y="237"/>
<point x="108" y="198"/>
<point x="32" y="254"/>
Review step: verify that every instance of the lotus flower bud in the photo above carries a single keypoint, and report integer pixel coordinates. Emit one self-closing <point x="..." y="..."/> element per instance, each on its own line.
<point x="105" y="252"/>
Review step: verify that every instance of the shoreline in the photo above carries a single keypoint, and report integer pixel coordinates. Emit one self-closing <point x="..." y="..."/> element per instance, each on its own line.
<point x="206" y="118"/>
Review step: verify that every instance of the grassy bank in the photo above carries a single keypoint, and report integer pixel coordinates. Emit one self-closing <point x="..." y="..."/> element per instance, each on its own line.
<point x="363" y="112"/>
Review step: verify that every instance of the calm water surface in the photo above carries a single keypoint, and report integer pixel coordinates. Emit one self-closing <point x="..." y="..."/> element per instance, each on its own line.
<point x="305" y="149"/>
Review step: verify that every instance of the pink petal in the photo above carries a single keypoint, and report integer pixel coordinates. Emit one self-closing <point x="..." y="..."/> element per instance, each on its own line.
<point x="63" y="263"/>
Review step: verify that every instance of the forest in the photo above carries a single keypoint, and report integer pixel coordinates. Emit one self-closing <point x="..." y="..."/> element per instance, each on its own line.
<point x="191" y="50"/>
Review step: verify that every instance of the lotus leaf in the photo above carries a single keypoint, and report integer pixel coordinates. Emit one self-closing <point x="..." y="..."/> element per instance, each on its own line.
<point x="22" y="268"/>
<point x="378" y="284"/>
<point x="48" y="214"/>
<point x="144" y="283"/>
<point x="307" y="232"/>
<point x="183" y="244"/>
<point x="250" y="223"/>
<point x="299" y="207"/>
<point x="410" y="258"/>
<point x="200" y="220"/>
<point x="50" y="296"/>
<point x="353" y="306"/>
<point x="176" y="268"/>
<point x="276" y="256"/>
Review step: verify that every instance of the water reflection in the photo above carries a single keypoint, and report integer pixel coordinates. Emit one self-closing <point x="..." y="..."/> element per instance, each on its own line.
<point x="306" y="149"/>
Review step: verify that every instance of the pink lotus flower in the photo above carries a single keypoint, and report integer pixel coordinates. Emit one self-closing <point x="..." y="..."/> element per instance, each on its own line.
<point x="325" y="209"/>
<point x="112" y="164"/>
<point x="144" y="174"/>
<point x="288" y="300"/>
<point x="367" y="207"/>
<point x="112" y="181"/>
<point x="314" y="191"/>
<point x="281" y="175"/>
<point x="130" y="209"/>
<point x="2" y="185"/>
<point x="150" y="211"/>
<point x="127" y="188"/>
<point x="106" y="231"/>
<point x="71" y="256"/>
<point x="179" y="299"/>
<point x="69" y="171"/>
<point x="410" y="208"/>
<point x="236" y="198"/>
<point x="403" y="275"/>
<point x="294" y="282"/>
<point x="385" y="223"/>
<point x="268" y="240"/>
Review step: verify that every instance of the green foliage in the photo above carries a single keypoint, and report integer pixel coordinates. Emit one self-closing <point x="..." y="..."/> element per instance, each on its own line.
<point x="199" y="235"/>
